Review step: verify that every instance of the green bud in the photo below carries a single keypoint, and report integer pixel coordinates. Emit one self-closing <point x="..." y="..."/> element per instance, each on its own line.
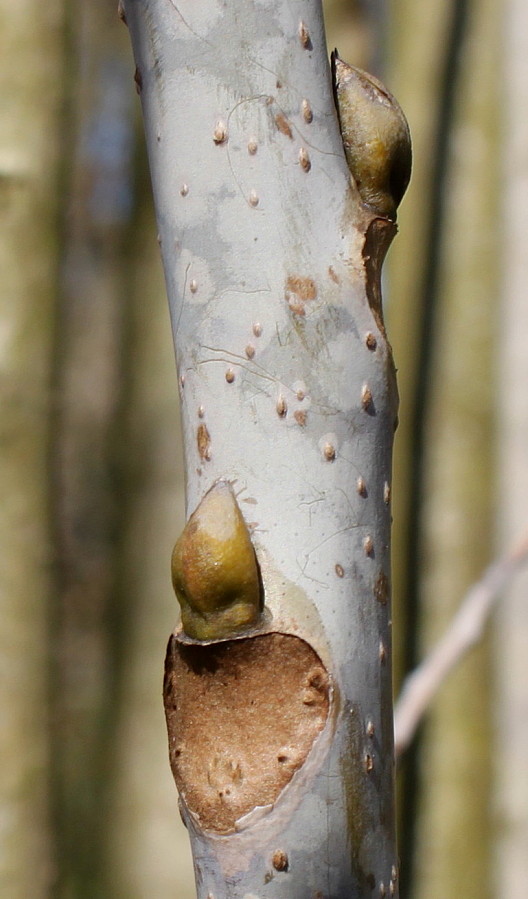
<point x="375" y="136"/>
<point x="214" y="569"/>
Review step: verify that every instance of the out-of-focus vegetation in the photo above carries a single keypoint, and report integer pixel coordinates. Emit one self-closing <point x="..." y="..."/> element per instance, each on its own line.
<point x="91" y="467"/>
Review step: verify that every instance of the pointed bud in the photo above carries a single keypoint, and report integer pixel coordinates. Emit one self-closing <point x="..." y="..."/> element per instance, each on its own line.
<point x="214" y="569"/>
<point x="375" y="136"/>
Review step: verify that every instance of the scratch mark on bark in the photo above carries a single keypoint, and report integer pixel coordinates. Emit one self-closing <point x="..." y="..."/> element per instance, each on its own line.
<point x="185" y="22"/>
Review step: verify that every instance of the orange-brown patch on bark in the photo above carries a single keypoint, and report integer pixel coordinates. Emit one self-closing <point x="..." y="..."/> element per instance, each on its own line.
<point x="381" y="588"/>
<point x="298" y="290"/>
<point x="242" y="716"/>
<point x="300" y="417"/>
<point x="203" y="441"/>
<point x="304" y="287"/>
<point x="283" y="125"/>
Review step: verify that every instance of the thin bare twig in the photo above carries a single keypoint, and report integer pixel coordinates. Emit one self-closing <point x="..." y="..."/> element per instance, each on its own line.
<point x="464" y="632"/>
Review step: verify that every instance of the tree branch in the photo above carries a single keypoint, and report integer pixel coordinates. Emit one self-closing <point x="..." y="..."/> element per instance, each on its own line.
<point x="463" y="633"/>
<point x="278" y="690"/>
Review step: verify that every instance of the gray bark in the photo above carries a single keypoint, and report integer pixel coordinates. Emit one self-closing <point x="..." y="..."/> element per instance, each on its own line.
<point x="288" y="393"/>
<point x="155" y="854"/>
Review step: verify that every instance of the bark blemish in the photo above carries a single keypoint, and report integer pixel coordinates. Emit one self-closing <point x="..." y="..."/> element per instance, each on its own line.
<point x="304" y="36"/>
<point x="329" y="452"/>
<point x="386" y="493"/>
<point x="121" y="12"/>
<point x="300" y="417"/>
<point x="281" y="407"/>
<point x="368" y="546"/>
<point x="361" y="487"/>
<point x="366" y="399"/>
<point x="220" y="133"/>
<point x="280" y="860"/>
<point x="335" y="278"/>
<point x="304" y="160"/>
<point x="381" y="588"/>
<point x="296" y="306"/>
<point x="138" y="80"/>
<point x="247" y="698"/>
<point x="298" y="291"/>
<point x="382" y="653"/>
<point x="304" y="288"/>
<point x="203" y="440"/>
<point x="306" y="110"/>
<point x="283" y="125"/>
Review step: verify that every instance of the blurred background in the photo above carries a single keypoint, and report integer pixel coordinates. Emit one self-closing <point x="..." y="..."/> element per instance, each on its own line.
<point x="91" y="473"/>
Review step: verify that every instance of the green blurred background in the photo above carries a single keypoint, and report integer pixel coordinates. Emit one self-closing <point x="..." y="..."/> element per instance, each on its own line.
<point x="92" y="478"/>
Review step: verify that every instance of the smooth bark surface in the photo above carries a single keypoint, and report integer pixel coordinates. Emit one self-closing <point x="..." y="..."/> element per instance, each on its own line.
<point x="288" y="394"/>
<point x="148" y="851"/>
